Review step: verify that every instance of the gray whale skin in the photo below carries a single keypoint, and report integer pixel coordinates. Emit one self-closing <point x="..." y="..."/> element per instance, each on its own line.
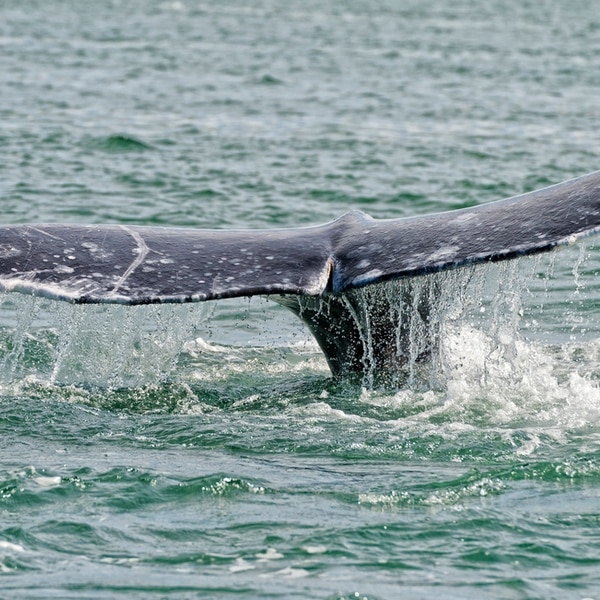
<point x="314" y="271"/>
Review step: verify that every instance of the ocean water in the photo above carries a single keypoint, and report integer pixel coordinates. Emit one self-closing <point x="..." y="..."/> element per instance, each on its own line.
<point x="203" y="451"/>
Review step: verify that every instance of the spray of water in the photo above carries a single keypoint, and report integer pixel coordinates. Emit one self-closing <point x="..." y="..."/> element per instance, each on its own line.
<point x="101" y="345"/>
<point x="526" y="326"/>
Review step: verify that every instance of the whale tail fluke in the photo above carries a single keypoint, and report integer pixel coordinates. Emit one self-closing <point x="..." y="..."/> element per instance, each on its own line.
<point x="325" y="274"/>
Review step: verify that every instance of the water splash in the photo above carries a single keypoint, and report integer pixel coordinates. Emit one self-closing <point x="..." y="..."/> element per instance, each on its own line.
<point x="523" y="327"/>
<point x="100" y="345"/>
<point x="482" y="323"/>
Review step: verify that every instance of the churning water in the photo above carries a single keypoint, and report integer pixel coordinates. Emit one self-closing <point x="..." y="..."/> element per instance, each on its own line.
<point x="511" y="389"/>
<point x="479" y="322"/>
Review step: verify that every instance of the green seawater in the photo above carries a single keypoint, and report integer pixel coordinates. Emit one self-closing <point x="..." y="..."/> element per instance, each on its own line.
<point x="203" y="451"/>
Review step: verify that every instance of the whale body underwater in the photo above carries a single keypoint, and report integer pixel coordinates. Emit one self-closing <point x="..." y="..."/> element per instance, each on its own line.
<point x="314" y="271"/>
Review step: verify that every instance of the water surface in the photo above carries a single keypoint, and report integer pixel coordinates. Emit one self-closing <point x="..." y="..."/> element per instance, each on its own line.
<point x="204" y="451"/>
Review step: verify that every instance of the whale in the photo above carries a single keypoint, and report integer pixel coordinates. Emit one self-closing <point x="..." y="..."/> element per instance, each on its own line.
<point x="317" y="272"/>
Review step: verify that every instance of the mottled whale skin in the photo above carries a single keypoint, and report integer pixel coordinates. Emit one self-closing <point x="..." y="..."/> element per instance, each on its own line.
<point x="301" y="268"/>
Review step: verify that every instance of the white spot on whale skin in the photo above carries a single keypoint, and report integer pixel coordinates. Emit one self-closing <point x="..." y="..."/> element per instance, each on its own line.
<point x="63" y="269"/>
<point x="464" y="218"/>
<point x="7" y="251"/>
<point x="443" y="253"/>
<point x="363" y="264"/>
<point x="367" y="277"/>
<point x="269" y="257"/>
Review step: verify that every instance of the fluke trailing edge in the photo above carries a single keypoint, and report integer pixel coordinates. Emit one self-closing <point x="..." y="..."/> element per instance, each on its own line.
<point x="310" y="270"/>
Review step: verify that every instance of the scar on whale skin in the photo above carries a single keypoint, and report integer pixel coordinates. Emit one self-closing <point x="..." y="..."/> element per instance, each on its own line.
<point x="313" y="271"/>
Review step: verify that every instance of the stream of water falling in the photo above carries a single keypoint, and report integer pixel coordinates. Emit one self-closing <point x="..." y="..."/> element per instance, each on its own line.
<point x="479" y="323"/>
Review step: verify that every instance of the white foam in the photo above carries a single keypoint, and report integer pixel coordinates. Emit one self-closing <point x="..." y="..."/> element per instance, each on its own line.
<point x="9" y="546"/>
<point x="288" y="573"/>
<point x="268" y="554"/>
<point x="48" y="481"/>
<point x="241" y="566"/>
